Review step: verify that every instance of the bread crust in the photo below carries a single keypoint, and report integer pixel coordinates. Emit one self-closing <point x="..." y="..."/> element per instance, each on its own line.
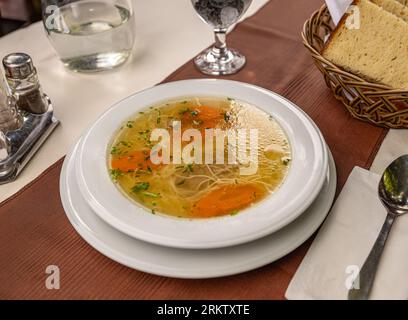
<point x="340" y="25"/>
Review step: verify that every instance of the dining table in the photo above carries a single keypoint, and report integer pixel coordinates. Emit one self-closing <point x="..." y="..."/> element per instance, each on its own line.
<point x="34" y="230"/>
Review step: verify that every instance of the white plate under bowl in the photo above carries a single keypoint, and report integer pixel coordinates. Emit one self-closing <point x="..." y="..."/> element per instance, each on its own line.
<point x="187" y="263"/>
<point x="301" y="186"/>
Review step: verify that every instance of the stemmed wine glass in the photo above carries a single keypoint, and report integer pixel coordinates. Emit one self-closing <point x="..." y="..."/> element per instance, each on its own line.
<point x="220" y="14"/>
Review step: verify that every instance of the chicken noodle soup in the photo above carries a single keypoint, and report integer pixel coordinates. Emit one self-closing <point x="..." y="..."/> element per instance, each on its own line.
<point x="202" y="188"/>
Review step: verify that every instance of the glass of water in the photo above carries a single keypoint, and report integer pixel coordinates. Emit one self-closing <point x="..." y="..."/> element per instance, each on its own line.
<point x="90" y="35"/>
<point x="220" y="14"/>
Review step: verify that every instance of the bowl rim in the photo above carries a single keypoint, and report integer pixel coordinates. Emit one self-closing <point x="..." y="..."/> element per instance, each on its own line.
<point x="113" y="207"/>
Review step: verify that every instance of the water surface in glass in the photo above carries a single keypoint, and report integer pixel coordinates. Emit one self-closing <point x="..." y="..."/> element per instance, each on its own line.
<point x="90" y="35"/>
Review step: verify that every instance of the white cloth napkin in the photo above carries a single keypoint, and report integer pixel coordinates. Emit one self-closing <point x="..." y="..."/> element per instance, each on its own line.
<point x="337" y="8"/>
<point x="345" y="240"/>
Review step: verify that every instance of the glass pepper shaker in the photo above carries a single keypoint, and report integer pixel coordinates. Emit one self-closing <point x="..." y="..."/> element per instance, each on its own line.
<point x="23" y="82"/>
<point x="9" y="118"/>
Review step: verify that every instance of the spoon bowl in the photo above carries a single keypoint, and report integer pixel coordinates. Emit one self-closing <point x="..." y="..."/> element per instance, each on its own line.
<point x="393" y="186"/>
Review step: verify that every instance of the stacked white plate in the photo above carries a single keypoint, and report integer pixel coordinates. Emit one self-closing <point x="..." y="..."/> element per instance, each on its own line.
<point x="199" y="248"/>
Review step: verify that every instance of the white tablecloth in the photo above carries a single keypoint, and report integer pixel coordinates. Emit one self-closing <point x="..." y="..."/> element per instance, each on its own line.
<point x="169" y="33"/>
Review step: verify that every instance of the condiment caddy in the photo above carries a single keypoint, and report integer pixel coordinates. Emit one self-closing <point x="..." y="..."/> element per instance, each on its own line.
<point x="26" y="116"/>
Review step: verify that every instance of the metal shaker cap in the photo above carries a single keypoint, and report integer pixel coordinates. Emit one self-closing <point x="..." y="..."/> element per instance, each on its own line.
<point x="18" y="65"/>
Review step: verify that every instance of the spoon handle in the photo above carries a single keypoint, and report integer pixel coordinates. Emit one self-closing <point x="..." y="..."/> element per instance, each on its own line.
<point x="367" y="272"/>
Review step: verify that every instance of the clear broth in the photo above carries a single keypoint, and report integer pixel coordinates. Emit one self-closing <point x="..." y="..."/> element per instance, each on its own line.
<point x="198" y="190"/>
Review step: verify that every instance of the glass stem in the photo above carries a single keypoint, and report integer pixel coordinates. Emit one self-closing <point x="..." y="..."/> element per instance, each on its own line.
<point x="220" y="46"/>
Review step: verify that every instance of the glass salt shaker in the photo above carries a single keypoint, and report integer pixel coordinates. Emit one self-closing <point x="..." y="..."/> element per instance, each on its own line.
<point x="23" y="82"/>
<point x="9" y="118"/>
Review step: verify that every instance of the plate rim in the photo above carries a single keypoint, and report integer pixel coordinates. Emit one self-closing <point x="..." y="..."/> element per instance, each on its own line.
<point x="86" y="233"/>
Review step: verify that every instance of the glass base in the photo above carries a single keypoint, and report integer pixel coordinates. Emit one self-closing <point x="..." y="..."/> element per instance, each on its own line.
<point x="216" y="63"/>
<point x="97" y="62"/>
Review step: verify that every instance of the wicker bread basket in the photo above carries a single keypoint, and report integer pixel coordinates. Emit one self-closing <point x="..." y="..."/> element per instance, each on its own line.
<point x="365" y="100"/>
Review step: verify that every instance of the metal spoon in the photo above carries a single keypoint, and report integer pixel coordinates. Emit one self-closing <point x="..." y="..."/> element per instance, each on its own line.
<point x="393" y="193"/>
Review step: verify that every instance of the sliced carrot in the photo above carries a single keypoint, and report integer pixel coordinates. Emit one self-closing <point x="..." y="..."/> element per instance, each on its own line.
<point x="136" y="160"/>
<point x="226" y="200"/>
<point x="202" y="117"/>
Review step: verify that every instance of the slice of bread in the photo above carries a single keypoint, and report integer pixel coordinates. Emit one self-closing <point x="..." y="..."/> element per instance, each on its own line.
<point x="377" y="51"/>
<point x="394" y="7"/>
<point x="403" y="2"/>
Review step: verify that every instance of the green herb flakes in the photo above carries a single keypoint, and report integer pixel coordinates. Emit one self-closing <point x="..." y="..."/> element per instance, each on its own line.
<point x="140" y="186"/>
<point x="188" y="168"/>
<point x="115" y="150"/>
<point x="115" y="174"/>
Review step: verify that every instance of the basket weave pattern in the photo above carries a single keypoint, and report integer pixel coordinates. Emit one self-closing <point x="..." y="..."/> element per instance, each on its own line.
<point x="365" y="100"/>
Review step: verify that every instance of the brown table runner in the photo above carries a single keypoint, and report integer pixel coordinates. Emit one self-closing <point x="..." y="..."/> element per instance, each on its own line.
<point x="35" y="233"/>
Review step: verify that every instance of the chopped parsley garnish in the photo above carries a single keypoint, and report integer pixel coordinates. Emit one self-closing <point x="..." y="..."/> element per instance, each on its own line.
<point x="230" y="99"/>
<point x="158" y="120"/>
<point x="129" y="124"/>
<point x="126" y="144"/>
<point x="234" y="212"/>
<point x="144" y="134"/>
<point x="153" y="211"/>
<point x="115" y="174"/>
<point x="118" y="150"/>
<point x="188" y="168"/>
<point x="140" y="186"/>
<point x="115" y="150"/>
<point x="194" y="113"/>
